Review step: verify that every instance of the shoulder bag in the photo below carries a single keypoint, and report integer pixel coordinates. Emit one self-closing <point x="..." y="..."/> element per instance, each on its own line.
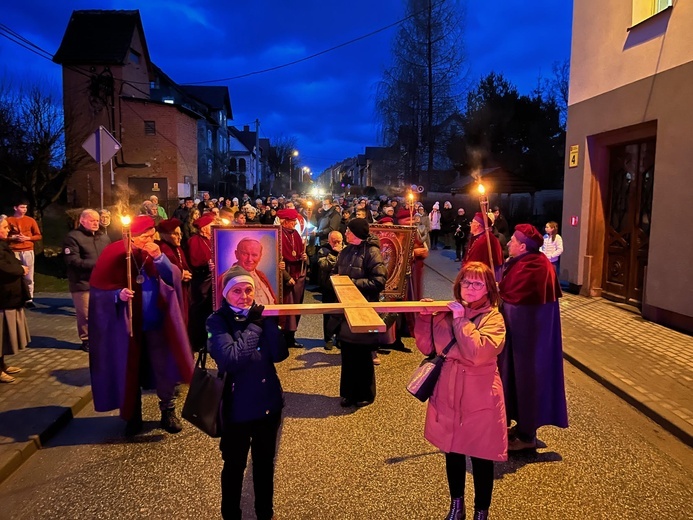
<point x="202" y="406"/>
<point x="425" y="377"/>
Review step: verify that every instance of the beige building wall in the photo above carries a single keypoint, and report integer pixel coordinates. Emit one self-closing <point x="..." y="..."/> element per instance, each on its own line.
<point x="626" y="86"/>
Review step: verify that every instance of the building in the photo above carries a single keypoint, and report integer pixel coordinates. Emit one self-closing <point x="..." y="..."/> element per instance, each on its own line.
<point x="107" y="80"/>
<point x="627" y="209"/>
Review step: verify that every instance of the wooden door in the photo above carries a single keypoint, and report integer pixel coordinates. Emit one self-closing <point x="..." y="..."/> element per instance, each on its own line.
<point x="631" y="181"/>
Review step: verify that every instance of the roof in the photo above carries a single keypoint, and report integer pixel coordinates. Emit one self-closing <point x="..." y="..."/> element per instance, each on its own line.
<point x="246" y="137"/>
<point x="496" y="180"/>
<point x="99" y="37"/>
<point x="216" y="98"/>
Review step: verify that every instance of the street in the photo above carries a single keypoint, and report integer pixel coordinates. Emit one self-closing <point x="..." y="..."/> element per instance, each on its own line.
<point x="370" y="463"/>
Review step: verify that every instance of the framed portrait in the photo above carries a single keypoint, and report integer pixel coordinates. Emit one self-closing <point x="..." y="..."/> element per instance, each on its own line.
<point x="256" y="249"/>
<point x="396" y="246"/>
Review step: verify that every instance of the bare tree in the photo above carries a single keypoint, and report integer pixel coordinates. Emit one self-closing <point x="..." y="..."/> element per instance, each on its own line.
<point x="32" y="146"/>
<point x="278" y="161"/>
<point x="422" y="87"/>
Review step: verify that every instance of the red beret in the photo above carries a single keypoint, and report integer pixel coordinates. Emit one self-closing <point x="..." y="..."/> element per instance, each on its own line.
<point x="168" y="226"/>
<point x="290" y="214"/>
<point x="529" y="235"/>
<point x="204" y="220"/>
<point x="402" y="214"/>
<point x="386" y="220"/>
<point x="140" y="224"/>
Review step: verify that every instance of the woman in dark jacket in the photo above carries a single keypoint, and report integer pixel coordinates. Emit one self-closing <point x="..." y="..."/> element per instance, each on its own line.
<point x="245" y="346"/>
<point x="14" y="293"/>
<point x="361" y="261"/>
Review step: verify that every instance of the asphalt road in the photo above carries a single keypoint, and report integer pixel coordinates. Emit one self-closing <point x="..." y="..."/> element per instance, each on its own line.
<point x="371" y="463"/>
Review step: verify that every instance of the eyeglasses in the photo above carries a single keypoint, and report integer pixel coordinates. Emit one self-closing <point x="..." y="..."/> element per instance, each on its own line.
<point x="476" y="285"/>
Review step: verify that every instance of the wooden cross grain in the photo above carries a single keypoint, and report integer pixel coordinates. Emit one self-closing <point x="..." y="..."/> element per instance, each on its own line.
<point x="361" y="315"/>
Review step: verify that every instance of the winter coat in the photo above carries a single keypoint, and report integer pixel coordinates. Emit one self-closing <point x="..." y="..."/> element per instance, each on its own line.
<point x="81" y="249"/>
<point x="13" y="290"/>
<point x="247" y="353"/>
<point x="466" y="413"/>
<point x="434" y="216"/>
<point x="330" y="220"/>
<point x="447" y="220"/>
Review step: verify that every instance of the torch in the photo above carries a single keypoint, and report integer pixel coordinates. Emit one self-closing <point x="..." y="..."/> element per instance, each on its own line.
<point x="125" y="221"/>
<point x="411" y="208"/>
<point x="483" y="202"/>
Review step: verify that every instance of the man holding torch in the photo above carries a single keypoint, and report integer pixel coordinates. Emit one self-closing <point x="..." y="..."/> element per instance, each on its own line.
<point x="136" y="326"/>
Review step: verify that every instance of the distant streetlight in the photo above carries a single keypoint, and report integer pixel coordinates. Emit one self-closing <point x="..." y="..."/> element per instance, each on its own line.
<point x="294" y="153"/>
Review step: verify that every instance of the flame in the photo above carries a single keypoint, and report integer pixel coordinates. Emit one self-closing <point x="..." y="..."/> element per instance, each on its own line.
<point x="310" y="204"/>
<point x="225" y="221"/>
<point x="481" y="189"/>
<point x="411" y="196"/>
<point x="125" y="220"/>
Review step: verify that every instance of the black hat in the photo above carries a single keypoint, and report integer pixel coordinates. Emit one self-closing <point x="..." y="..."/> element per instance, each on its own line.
<point x="359" y="227"/>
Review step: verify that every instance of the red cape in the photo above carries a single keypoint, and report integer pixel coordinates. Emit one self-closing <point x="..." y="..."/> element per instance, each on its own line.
<point x="529" y="279"/>
<point x="478" y="250"/>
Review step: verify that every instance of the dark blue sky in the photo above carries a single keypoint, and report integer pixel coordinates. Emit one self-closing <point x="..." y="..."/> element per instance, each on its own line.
<point x="327" y="103"/>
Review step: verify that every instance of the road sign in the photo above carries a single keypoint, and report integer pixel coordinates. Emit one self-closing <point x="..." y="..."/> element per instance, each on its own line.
<point x="101" y="145"/>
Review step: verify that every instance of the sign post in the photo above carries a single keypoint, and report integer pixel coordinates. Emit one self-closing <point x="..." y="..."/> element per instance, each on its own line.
<point x="101" y="145"/>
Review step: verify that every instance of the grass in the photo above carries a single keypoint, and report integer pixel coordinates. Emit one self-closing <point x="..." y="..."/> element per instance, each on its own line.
<point x="50" y="284"/>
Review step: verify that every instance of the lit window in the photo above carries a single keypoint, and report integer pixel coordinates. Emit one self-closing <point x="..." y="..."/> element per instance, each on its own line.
<point x="169" y="100"/>
<point x="644" y="9"/>
<point x="149" y="128"/>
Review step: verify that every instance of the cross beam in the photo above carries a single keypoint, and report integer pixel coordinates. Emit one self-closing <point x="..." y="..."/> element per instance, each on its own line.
<point x="361" y="315"/>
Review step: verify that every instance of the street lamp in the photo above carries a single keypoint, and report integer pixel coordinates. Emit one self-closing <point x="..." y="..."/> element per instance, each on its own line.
<point x="294" y="153"/>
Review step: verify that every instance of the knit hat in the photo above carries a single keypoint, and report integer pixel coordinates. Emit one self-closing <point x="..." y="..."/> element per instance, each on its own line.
<point x="359" y="227"/>
<point x="204" y="220"/>
<point x="529" y="235"/>
<point x="436" y="205"/>
<point x="234" y="276"/>
<point x="290" y="214"/>
<point x="168" y="226"/>
<point x="140" y="224"/>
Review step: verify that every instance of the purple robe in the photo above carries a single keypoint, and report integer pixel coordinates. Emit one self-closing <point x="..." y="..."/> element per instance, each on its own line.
<point x="531" y="366"/>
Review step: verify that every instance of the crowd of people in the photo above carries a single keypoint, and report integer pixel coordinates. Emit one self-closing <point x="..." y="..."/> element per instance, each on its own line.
<point x="502" y="382"/>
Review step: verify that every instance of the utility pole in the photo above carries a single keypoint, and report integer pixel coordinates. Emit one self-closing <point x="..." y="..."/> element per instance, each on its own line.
<point x="258" y="178"/>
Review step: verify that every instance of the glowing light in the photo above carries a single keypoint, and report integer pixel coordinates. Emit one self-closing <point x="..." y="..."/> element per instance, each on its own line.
<point x="125" y="220"/>
<point x="481" y="188"/>
<point x="225" y="221"/>
<point x="310" y="204"/>
<point x="411" y="196"/>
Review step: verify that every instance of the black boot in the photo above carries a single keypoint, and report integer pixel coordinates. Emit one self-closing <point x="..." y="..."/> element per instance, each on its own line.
<point x="290" y="338"/>
<point x="170" y="421"/>
<point x="480" y="514"/>
<point x="457" y="511"/>
<point x="135" y="424"/>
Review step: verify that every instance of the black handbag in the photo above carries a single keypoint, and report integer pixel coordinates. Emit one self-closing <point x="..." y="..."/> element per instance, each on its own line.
<point x="202" y="406"/>
<point x="423" y="380"/>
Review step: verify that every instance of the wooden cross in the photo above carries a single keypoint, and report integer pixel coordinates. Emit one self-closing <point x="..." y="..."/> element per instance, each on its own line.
<point x="361" y="315"/>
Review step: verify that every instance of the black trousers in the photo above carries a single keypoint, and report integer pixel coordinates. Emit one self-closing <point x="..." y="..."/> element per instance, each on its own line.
<point x="482" y="471"/>
<point x="357" y="381"/>
<point x="459" y="247"/>
<point x="260" y="437"/>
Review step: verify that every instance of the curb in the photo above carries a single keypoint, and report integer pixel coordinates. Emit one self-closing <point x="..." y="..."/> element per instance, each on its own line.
<point x="662" y="417"/>
<point x="24" y="450"/>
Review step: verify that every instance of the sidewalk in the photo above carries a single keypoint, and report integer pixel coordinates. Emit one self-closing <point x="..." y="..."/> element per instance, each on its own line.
<point x="647" y="365"/>
<point x="52" y="386"/>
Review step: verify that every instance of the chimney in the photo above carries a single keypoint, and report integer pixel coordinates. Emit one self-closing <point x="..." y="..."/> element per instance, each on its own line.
<point x="246" y="128"/>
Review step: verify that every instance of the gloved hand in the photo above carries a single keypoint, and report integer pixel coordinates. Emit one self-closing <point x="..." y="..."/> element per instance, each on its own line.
<point x="255" y="314"/>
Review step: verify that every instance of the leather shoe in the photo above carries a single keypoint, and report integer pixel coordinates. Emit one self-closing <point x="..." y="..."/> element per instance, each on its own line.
<point x="170" y="421"/>
<point x="133" y="426"/>
<point x="361" y="404"/>
<point x="518" y="445"/>
<point x="85" y="346"/>
<point x="4" y="378"/>
<point x="12" y="370"/>
<point x="329" y="345"/>
<point x="346" y="403"/>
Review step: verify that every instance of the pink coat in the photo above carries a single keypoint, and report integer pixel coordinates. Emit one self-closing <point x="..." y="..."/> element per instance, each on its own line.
<point x="466" y="413"/>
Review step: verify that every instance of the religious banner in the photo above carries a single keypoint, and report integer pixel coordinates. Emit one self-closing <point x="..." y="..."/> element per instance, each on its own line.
<point x="396" y="246"/>
<point x="256" y="249"/>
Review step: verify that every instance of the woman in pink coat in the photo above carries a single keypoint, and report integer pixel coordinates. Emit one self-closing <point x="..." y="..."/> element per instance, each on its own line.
<point x="466" y="413"/>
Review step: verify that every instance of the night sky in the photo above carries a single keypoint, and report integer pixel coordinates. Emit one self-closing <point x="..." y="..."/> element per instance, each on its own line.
<point x="327" y="102"/>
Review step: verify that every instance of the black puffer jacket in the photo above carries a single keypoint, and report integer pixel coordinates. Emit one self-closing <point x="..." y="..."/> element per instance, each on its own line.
<point x="13" y="290"/>
<point x="364" y="265"/>
<point x="81" y="249"/>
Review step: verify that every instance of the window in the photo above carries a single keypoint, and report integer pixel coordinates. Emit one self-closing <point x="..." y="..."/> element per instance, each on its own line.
<point x="644" y="9"/>
<point x="134" y="56"/>
<point x="209" y="166"/>
<point x="209" y="139"/>
<point x="150" y="128"/>
<point x="241" y="165"/>
<point x="232" y="165"/>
